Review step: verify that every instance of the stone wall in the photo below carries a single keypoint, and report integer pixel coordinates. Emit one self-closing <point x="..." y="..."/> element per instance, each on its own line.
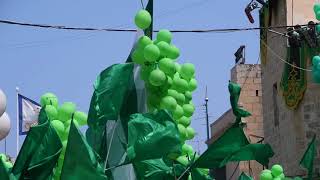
<point x="288" y="131"/>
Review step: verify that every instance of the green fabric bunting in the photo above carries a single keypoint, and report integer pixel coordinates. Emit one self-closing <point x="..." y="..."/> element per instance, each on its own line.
<point x="308" y="158"/>
<point x="39" y="153"/>
<point x="244" y="176"/>
<point x="235" y="90"/>
<point x="153" y="169"/>
<point x="233" y="146"/>
<point x="152" y="136"/>
<point x="80" y="161"/>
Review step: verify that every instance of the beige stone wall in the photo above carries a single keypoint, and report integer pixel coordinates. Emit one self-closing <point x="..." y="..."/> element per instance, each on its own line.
<point x="249" y="77"/>
<point x="290" y="137"/>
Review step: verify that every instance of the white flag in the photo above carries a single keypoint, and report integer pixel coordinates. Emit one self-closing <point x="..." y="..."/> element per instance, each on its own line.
<point x="28" y="113"/>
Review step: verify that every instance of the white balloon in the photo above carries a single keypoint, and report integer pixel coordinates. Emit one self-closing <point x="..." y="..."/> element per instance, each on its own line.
<point x="3" y="102"/>
<point x="5" y="125"/>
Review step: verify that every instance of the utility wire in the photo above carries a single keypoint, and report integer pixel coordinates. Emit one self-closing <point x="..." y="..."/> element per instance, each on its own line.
<point x="61" y="27"/>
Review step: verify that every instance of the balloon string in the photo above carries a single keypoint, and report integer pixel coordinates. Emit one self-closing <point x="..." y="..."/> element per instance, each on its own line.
<point x="142" y="4"/>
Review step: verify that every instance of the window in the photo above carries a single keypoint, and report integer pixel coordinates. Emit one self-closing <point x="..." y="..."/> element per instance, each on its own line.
<point x="257" y="92"/>
<point x="275" y="104"/>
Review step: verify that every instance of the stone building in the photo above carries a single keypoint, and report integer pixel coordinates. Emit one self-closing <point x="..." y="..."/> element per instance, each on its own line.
<point x="249" y="77"/>
<point x="291" y="103"/>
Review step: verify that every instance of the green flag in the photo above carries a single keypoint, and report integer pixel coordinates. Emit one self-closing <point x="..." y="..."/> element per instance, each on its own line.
<point x="39" y="153"/>
<point x="233" y="146"/>
<point x="153" y="169"/>
<point x="235" y="90"/>
<point x="4" y="172"/>
<point x="80" y="162"/>
<point x="244" y="176"/>
<point x="308" y="157"/>
<point x="152" y="136"/>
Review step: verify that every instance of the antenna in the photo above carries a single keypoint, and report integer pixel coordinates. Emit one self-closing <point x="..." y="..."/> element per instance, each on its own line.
<point x="207" y="116"/>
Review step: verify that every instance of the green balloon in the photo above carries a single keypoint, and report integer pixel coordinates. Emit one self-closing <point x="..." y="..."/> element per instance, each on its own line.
<point x="157" y="77"/>
<point x="142" y="19"/>
<point x="282" y="176"/>
<point x="318" y="15"/>
<point x="143" y="42"/>
<point x="58" y="126"/>
<point x="277" y="178"/>
<point x="266" y="176"/>
<point x="65" y="133"/>
<point x="315" y="60"/>
<point x="64" y="147"/>
<point x="167" y="66"/>
<point x="187" y="71"/>
<point x="265" y="171"/>
<point x="178" y="112"/>
<point x="178" y="67"/>
<point x="182" y="131"/>
<point x="188" y="96"/>
<point x="164" y="48"/>
<point x="51" y="111"/>
<point x="138" y="57"/>
<point x="183" y="160"/>
<point x="185" y="121"/>
<point x="190" y="133"/>
<point x="3" y="157"/>
<point x="68" y="123"/>
<point x="145" y="72"/>
<point x="66" y="110"/>
<point x="173" y="52"/>
<point x="276" y="170"/>
<point x="190" y="151"/>
<point x="173" y="93"/>
<point x="49" y="99"/>
<point x="318" y="28"/>
<point x="316" y="76"/>
<point x="169" y="81"/>
<point x="81" y="118"/>
<point x="188" y="110"/>
<point x="179" y="84"/>
<point x="192" y="85"/>
<point x="180" y="98"/>
<point x="316" y="7"/>
<point x="184" y="149"/>
<point x="168" y="103"/>
<point x="151" y="53"/>
<point x="164" y="35"/>
<point x="8" y="164"/>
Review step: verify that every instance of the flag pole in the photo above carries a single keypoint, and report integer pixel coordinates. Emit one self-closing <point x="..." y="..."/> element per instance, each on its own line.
<point x="17" y="140"/>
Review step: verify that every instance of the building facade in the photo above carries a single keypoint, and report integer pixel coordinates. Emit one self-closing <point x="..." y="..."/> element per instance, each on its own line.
<point x="249" y="77"/>
<point x="291" y="105"/>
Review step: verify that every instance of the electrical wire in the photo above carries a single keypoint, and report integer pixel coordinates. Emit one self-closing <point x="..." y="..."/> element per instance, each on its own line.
<point x="61" y="27"/>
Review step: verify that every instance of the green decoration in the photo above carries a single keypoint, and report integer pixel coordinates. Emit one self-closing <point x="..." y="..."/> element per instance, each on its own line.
<point x="3" y="157"/>
<point x="164" y="48"/>
<point x="168" y="103"/>
<point x="49" y="99"/>
<point x="266" y="176"/>
<point x="315" y="60"/>
<point x="188" y="109"/>
<point x="318" y="28"/>
<point x="8" y="165"/>
<point x="147" y="132"/>
<point x="188" y="96"/>
<point x="164" y="35"/>
<point x="138" y="57"/>
<point x="58" y="126"/>
<point x="308" y="158"/>
<point x="183" y="160"/>
<point x="294" y="81"/>
<point x="192" y="85"/>
<point x="172" y="93"/>
<point x="169" y="81"/>
<point x="182" y="131"/>
<point x="185" y="121"/>
<point x="318" y="15"/>
<point x="187" y="71"/>
<point x="51" y="111"/>
<point x="316" y="76"/>
<point x="143" y="42"/>
<point x="143" y="19"/>
<point x="180" y="98"/>
<point x="276" y="170"/>
<point x="151" y="53"/>
<point x="178" y="67"/>
<point x="190" y="133"/>
<point x="316" y="7"/>
<point x="81" y="118"/>
<point x="179" y="84"/>
<point x="167" y="66"/>
<point x="157" y="77"/>
<point x="174" y="52"/>
<point x="145" y="72"/>
<point x="68" y="123"/>
<point x="178" y="112"/>
<point x="66" y="110"/>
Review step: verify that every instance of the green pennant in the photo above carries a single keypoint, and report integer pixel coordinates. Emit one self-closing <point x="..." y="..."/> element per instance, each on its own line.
<point x="81" y="162"/>
<point x="308" y="158"/>
<point x="244" y="176"/>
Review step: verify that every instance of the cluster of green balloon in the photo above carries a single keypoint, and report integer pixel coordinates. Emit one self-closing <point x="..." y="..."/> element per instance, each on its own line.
<point x="169" y="85"/>
<point x="276" y="173"/>
<point x="7" y="164"/>
<point x="316" y="69"/>
<point x="60" y="118"/>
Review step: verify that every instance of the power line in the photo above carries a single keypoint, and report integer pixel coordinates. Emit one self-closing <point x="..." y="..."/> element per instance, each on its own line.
<point x="62" y="27"/>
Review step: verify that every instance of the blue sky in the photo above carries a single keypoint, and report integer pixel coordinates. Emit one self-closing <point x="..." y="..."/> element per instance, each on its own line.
<point x="67" y="62"/>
